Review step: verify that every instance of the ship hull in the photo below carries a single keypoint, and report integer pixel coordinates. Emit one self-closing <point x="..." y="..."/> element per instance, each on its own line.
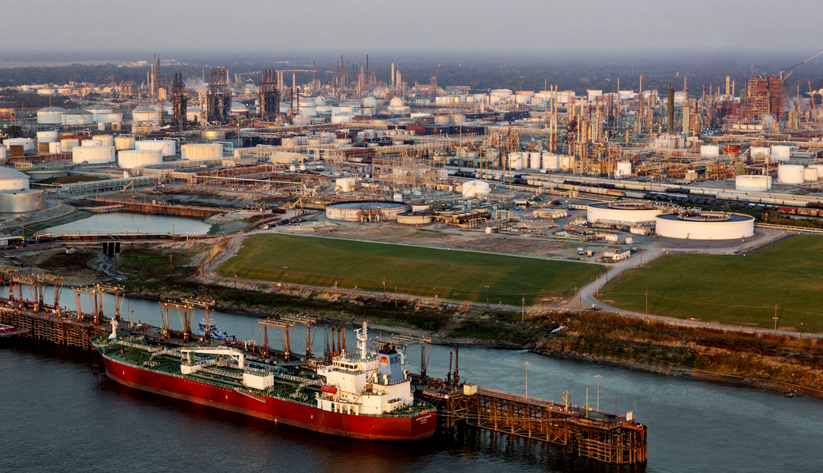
<point x="276" y="410"/>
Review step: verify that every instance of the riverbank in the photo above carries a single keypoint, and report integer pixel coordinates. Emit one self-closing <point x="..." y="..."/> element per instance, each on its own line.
<point x="778" y="363"/>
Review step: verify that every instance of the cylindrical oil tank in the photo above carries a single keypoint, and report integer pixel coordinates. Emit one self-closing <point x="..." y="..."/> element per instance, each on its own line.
<point x="92" y="143"/>
<point x="55" y="147"/>
<point x="710" y="151"/>
<point x="26" y="143"/>
<point x="92" y="154"/>
<point x="105" y="140"/>
<point x="566" y="163"/>
<point x="12" y="179"/>
<point x="201" y="151"/>
<point x="131" y="158"/>
<point x="123" y="142"/>
<point x="21" y="201"/>
<point x="810" y="174"/>
<point x="214" y="135"/>
<point x="68" y="144"/>
<point x="790" y="174"/>
<point x="145" y="115"/>
<point x="50" y="115"/>
<point x="551" y="161"/>
<point x="2" y="153"/>
<point x="759" y="151"/>
<point x="515" y="160"/>
<point x="167" y="147"/>
<point x="757" y="183"/>
<point x="819" y="168"/>
<point x="624" y="168"/>
<point x="459" y="118"/>
<point x="443" y="119"/>
<point x="47" y="136"/>
<point x="781" y="153"/>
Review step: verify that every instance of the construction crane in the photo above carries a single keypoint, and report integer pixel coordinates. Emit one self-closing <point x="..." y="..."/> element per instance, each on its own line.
<point x="296" y="203"/>
<point x="126" y="187"/>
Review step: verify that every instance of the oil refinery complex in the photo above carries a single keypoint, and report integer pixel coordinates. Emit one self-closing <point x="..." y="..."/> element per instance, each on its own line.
<point x="365" y="148"/>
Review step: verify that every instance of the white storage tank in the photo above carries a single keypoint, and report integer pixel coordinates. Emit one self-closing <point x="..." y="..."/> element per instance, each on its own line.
<point x="50" y="116"/>
<point x="68" y="144"/>
<point x="47" y="136"/>
<point x="566" y="163"/>
<point x="92" y="154"/>
<point x="77" y="117"/>
<point x="2" y="153"/>
<point x="55" y="147"/>
<point x="345" y="184"/>
<point x="168" y="147"/>
<point x="756" y="183"/>
<point x="201" y="151"/>
<point x="819" y="168"/>
<point x="26" y="143"/>
<point x="550" y="161"/>
<point x="709" y="151"/>
<point x="515" y="160"/>
<point x="624" y="168"/>
<point x="535" y="160"/>
<point x="12" y="179"/>
<point x="810" y="174"/>
<point x="105" y="140"/>
<point x="781" y="153"/>
<point x="92" y="143"/>
<point x="123" y="142"/>
<point x="759" y="151"/>
<point x="145" y="115"/>
<point x="475" y="188"/>
<point x="130" y="158"/>
<point x="790" y="174"/>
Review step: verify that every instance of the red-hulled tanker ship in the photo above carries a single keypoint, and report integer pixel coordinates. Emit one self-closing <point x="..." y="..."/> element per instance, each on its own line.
<point x="364" y="395"/>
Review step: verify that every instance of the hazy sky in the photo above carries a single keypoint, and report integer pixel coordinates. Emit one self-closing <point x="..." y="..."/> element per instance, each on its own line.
<point x="416" y="25"/>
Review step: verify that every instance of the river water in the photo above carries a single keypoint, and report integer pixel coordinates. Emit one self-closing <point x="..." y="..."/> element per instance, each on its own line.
<point x="121" y="222"/>
<point x="58" y="412"/>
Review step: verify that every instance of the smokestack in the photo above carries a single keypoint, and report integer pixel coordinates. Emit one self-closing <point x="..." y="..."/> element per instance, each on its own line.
<point x="670" y="129"/>
<point x="686" y="114"/>
<point x="728" y="79"/>
<point x="392" y="75"/>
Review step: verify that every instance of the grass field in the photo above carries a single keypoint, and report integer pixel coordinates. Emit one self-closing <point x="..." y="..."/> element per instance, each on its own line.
<point x="420" y="271"/>
<point x="738" y="290"/>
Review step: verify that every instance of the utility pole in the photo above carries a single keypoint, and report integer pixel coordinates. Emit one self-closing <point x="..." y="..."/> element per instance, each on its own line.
<point x="598" y="390"/>
<point x="647" y="303"/>
<point x="775" y="318"/>
<point x="527" y="379"/>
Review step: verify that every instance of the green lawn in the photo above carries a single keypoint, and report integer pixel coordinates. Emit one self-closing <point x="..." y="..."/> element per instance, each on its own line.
<point x="420" y="271"/>
<point x="738" y="290"/>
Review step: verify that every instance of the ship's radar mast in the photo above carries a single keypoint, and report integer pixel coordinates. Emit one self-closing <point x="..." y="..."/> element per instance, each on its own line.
<point x="362" y="339"/>
<point x="113" y="335"/>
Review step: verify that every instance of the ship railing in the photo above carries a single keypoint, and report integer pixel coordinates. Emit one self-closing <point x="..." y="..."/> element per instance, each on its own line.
<point x="297" y="379"/>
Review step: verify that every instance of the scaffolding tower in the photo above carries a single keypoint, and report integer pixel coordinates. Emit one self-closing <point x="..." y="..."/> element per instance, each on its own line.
<point x="179" y="101"/>
<point x="218" y="97"/>
<point x="269" y="98"/>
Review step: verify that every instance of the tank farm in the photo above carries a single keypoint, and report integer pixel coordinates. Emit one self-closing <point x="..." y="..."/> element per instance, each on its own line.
<point x="587" y="432"/>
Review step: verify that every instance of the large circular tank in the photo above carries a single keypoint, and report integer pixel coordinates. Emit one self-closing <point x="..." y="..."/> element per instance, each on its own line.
<point x="550" y="161"/>
<point x="810" y="174"/>
<point x="365" y="211"/>
<point x="759" y="151"/>
<point x="2" y="153"/>
<point x="624" y="168"/>
<point x="201" y="151"/>
<point x="68" y="144"/>
<point x="168" y="147"/>
<point x="628" y="212"/>
<point x="55" y="147"/>
<point x="145" y="115"/>
<point x="755" y="183"/>
<point x="21" y="201"/>
<point x="105" y="140"/>
<point x="705" y="226"/>
<point x="50" y="116"/>
<point x="475" y="188"/>
<point x="12" y="179"/>
<point x="123" y="142"/>
<point x="790" y="174"/>
<point x="132" y="158"/>
<point x="92" y="154"/>
<point x="710" y="151"/>
<point x="26" y="143"/>
<point x="47" y="136"/>
<point x="781" y="153"/>
<point x="91" y="142"/>
<point x="77" y="117"/>
<point x="409" y="218"/>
